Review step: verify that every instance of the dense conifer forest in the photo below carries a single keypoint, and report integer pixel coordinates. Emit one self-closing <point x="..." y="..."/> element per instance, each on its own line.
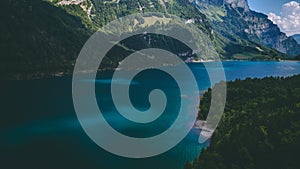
<point x="260" y="127"/>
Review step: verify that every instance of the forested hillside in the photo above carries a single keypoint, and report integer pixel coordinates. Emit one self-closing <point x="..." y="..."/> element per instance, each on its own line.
<point x="260" y="127"/>
<point x="38" y="39"/>
<point x="43" y="38"/>
<point x="104" y="11"/>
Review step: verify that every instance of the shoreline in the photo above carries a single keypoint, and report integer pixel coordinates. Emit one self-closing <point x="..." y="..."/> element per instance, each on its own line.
<point x="61" y="74"/>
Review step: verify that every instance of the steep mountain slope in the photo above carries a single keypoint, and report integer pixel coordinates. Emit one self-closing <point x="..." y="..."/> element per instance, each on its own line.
<point x="234" y="18"/>
<point x="43" y="38"/>
<point x="297" y="38"/>
<point x="104" y="11"/>
<point x="38" y="39"/>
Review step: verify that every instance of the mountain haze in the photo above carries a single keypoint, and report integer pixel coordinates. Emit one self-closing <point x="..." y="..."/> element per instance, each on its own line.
<point x="43" y="38"/>
<point x="234" y="18"/>
<point x="103" y="12"/>
<point x="297" y="38"/>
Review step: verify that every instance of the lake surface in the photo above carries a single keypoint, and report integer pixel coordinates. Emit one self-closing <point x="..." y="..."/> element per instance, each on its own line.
<point x="39" y="127"/>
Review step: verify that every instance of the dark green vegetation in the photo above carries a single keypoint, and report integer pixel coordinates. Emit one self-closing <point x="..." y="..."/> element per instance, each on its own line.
<point x="105" y="11"/>
<point x="38" y="39"/>
<point x="260" y="127"/>
<point x="43" y="38"/>
<point x="228" y="46"/>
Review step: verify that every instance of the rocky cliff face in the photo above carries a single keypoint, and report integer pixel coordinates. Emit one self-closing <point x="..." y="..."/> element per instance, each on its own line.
<point x="233" y="3"/>
<point x="239" y="20"/>
<point x="238" y="3"/>
<point x="261" y="30"/>
<point x="297" y="38"/>
<point x="53" y="31"/>
<point x="104" y="11"/>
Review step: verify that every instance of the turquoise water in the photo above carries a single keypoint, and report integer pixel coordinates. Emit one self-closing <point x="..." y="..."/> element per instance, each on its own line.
<point x="39" y="128"/>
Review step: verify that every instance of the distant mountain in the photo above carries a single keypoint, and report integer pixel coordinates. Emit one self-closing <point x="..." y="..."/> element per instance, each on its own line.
<point x="297" y="38"/>
<point x="233" y="3"/>
<point x="103" y="12"/>
<point x="43" y="37"/>
<point x="234" y="18"/>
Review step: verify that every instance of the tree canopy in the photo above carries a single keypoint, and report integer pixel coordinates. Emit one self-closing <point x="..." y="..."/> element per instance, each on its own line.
<point x="260" y="127"/>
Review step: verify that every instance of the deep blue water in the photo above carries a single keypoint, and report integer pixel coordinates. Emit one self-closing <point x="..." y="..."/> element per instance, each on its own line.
<point x="39" y="127"/>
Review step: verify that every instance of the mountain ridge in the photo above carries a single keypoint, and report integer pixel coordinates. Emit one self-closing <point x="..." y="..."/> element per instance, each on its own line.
<point x="105" y="11"/>
<point x="240" y="20"/>
<point x="53" y="32"/>
<point x="297" y="38"/>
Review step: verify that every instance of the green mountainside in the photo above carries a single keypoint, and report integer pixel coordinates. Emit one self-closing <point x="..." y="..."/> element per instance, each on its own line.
<point x="38" y="39"/>
<point x="234" y="20"/>
<point x="104" y="11"/>
<point x="259" y="128"/>
<point x="43" y="37"/>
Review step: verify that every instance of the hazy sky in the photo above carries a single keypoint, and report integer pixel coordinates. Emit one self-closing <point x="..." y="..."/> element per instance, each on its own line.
<point x="266" y="6"/>
<point x="285" y="13"/>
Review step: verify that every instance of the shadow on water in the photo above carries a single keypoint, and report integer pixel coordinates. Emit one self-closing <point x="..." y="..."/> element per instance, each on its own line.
<point x="39" y="127"/>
